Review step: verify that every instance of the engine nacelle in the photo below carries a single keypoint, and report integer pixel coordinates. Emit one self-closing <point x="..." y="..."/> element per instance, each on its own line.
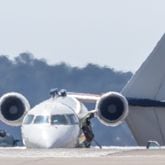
<point x="112" y="108"/>
<point x="13" y="108"/>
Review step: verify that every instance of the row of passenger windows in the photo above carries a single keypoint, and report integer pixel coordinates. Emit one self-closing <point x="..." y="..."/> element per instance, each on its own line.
<point x="66" y="119"/>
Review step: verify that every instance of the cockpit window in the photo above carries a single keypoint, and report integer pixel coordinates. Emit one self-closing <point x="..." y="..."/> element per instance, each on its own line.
<point x="41" y="120"/>
<point x="72" y="119"/>
<point x="65" y="119"/>
<point x="28" y="119"/>
<point x="59" y="119"/>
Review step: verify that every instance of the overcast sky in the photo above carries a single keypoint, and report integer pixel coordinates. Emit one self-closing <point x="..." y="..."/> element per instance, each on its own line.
<point x="115" y="33"/>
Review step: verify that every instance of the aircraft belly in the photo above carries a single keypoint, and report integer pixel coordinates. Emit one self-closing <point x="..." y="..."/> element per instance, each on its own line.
<point x="147" y="124"/>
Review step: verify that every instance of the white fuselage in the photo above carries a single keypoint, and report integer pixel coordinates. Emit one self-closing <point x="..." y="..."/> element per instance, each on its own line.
<point x="53" y="123"/>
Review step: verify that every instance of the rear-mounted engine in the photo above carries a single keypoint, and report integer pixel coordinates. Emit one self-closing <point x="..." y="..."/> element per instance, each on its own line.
<point x="112" y="108"/>
<point x="13" y="107"/>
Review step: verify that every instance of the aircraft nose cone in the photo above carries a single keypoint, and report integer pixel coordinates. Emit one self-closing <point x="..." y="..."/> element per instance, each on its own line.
<point x="48" y="141"/>
<point x="48" y="144"/>
<point x="50" y="136"/>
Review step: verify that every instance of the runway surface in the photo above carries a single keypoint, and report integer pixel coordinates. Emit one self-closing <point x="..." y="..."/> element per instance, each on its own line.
<point x="92" y="156"/>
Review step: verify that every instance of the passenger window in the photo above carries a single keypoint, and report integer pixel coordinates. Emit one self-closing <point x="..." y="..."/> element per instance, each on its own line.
<point x="59" y="119"/>
<point x="72" y="119"/>
<point x="28" y="119"/>
<point x="41" y="120"/>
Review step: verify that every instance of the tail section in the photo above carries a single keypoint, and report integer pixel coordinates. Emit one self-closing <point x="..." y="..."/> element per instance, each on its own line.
<point x="148" y="83"/>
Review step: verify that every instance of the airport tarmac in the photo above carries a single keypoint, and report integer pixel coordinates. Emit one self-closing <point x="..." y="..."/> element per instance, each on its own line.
<point x="93" y="156"/>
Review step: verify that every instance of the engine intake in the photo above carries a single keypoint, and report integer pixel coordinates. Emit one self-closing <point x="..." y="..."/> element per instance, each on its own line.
<point x="112" y="108"/>
<point x="13" y="107"/>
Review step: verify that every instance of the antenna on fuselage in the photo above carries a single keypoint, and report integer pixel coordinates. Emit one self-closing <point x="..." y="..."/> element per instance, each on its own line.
<point x="63" y="92"/>
<point x="54" y="92"/>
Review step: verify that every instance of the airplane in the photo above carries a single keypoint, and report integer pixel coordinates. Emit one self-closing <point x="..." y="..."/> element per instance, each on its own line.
<point x="63" y="120"/>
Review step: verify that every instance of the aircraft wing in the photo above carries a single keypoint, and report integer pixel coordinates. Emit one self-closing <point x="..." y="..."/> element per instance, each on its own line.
<point x="147" y="123"/>
<point x="85" y="97"/>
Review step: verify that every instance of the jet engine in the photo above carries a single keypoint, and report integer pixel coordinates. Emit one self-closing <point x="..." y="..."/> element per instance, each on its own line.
<point x="13" y="107"/>
<point x="112" y="108"/>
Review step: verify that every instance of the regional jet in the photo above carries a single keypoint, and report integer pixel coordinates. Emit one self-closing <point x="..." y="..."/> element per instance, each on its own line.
<point x="63" y="120"/>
